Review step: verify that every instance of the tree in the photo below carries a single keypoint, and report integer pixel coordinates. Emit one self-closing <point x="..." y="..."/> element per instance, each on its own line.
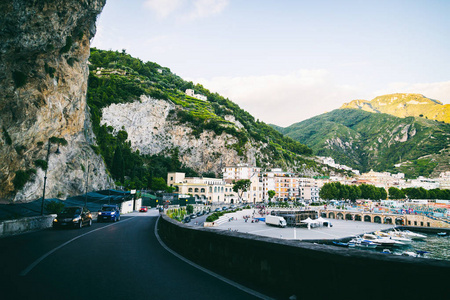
<point x="395" y="193"/>
<point x="54" y="207"/>
<point x="241" y="186"/>
<point x="159" y="184"/>
<point x="329" y="191"/>
<point x="354" y="193"/>
<point x="189" y="209"/>
<point x="118" y="164"/>
<point x="271" y="193"/>
<point x="383" y="194"/>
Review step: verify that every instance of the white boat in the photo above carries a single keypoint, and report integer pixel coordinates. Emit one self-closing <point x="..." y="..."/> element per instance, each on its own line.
<point x="382" y="241"/>
<point x="409" y="253"/>
<point x="362" y="243"/>
<point x="399" y="236"/>
<point x="410" y="234"/>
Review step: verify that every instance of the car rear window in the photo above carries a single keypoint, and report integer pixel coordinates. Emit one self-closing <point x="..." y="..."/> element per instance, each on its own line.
<point x="71" y="210"/>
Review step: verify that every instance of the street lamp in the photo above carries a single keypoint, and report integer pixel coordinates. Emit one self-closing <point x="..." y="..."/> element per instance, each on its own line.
<point x="87" y="183"/>
<point x="45" y="174"/>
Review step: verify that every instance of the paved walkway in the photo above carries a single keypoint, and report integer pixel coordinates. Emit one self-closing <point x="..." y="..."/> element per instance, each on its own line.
<point x="341" y="228"/>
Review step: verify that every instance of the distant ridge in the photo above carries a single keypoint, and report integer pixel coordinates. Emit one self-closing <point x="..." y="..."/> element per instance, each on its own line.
<point x="406" y="133"/>
<point x="404" y="105"/>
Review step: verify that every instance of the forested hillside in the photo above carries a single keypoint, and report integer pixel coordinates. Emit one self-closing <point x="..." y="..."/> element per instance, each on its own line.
<point x="365" y="141"/>
<point x="116" y="77"/>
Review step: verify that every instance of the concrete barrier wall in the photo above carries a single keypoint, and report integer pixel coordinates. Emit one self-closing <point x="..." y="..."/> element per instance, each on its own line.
<point x="17" y="226"/>
<point x="127" y="206"/>
<point x="282" y="268"/>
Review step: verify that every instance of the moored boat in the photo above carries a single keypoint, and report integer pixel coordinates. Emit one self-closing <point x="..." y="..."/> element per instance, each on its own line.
<point x="382" y="241"/>
<point x="410" y="234"/>
<point x="363" y="243"/>
<point x="340" y="244"/>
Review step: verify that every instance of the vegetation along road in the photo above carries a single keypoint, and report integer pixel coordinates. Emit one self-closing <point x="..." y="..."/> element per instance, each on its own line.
<point x="121" y="260"/>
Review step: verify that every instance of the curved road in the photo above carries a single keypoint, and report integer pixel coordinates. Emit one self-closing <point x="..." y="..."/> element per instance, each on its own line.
<point x="122" y="260"/>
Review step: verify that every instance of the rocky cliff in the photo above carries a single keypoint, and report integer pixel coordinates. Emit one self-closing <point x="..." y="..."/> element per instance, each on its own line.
<point x="44" y="48"/>
<point x="151" y="131"/>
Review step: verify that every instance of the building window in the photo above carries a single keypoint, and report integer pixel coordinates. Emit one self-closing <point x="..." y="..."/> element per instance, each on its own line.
<point x="428" y="224"/>
<point x="171" y="178"/>
<point x="202" y="190"/>
<point x="415" y="223"/>
<point x="196" y="190"/>
<point x="190" y="190"/>
<point x="421" y="223"/>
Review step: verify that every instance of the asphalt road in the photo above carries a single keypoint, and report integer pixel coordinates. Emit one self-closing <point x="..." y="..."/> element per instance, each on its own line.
<point x="122" y="260"/>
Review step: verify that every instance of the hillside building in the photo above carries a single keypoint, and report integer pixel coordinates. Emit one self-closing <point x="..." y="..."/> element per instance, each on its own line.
<point x="245" y="171"/>
<point x="191" y="93"/>
<point x="205" y="190"/>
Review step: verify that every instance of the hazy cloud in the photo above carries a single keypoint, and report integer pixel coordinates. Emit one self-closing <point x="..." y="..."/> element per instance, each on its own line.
<point x="163" y="8"/>
<point x="186" y="9"/>
<point x="435" y="90"/>
<point x="284" y="99"/>
<point x="204" y="8"/>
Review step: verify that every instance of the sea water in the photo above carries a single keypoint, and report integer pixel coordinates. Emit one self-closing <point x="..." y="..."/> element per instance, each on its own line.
<point x="438" y="247"/>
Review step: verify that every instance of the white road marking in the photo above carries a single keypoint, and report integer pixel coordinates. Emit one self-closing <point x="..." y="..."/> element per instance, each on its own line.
<point x="232" y="283"/>
<point x="37" y="261"/>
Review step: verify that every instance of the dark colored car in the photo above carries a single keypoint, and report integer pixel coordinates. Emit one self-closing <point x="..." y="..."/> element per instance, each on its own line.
<point x="73" y="216"/>
<point x="143" y="209"/>
<point x="109" y="213"/>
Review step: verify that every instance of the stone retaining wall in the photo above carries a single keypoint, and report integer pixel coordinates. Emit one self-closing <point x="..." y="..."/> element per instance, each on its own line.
<point x="282" y="268"/>
<point x="11" y="227"/>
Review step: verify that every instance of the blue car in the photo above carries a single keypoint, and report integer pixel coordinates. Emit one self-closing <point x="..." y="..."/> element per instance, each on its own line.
<point x="108" y="213"/>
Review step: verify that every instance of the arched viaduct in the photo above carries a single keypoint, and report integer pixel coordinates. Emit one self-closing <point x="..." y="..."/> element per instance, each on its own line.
<point x="372" y="217"/>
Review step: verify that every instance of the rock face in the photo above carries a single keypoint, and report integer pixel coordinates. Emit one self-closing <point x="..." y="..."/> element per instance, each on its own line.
<point x="44" y="48"/>
<point x="151" y="132"/>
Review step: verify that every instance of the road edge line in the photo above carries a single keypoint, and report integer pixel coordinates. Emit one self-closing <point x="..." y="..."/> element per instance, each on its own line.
<point x="209" y="272"/>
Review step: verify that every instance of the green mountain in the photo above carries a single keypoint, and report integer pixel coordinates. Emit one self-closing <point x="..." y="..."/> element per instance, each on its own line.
<point x="186" y="133"/>
<point x="365" y="140"/>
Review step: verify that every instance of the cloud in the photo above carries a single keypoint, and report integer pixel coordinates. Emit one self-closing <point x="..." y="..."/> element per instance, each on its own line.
<point x="186" y="9"/>
<point x="205" y="8"/>
<point x="163" y="8"/>
<point x="434" y="90"/>
<point x="284" y="99"/>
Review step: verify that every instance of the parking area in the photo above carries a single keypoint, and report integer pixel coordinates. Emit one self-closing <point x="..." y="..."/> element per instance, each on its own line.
<point x="340" y="229"/>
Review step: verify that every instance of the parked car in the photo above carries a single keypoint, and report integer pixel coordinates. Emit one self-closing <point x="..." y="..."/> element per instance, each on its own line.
<point x="143" y="209"/>
<point x="73" y="216"/>
<point x="233" y="206"/>
<point x="193" y="216"/>
<point x="187" y="220"/>
<point x="218" y="209"/>
<point x="224" y="208"/>
<point x="109" y="213"/>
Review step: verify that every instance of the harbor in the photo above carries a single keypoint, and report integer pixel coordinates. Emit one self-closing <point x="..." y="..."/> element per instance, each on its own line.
<point x="431" y="246"/>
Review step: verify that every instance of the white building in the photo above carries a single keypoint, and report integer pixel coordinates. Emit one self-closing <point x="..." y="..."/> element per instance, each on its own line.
<point x="206" y="190"/>
<point x="426" y="183"/>
<point x="191" y="93"/>
<point x="246" y="171"/>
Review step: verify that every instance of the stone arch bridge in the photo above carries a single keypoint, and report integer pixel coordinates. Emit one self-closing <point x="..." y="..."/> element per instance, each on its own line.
<point x="381" y="218"/>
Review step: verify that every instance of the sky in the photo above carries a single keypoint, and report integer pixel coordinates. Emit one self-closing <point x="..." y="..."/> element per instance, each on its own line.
<point x="285" y="61"/>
